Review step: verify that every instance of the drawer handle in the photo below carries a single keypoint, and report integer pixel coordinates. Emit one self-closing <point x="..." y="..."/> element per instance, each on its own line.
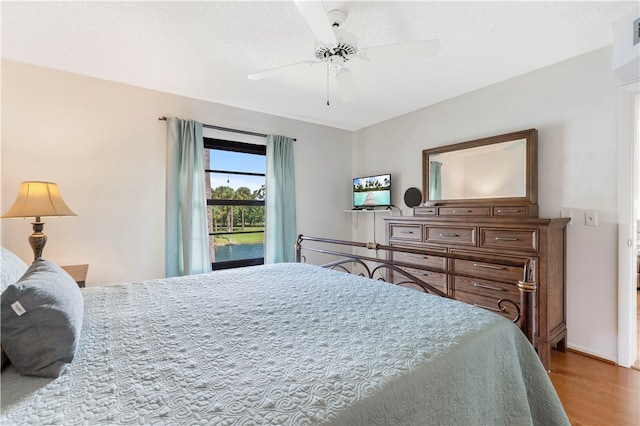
<point x="488" y="287"/>
<point x="505" y="239"/>
<point x="449" y="234"/>
<point x="491" y="308"/>
<point x="407" y="232"/>
<point x="508" y="211"/>
<point x="461" y="211"/>
<point x="479" y="265"/>
<point x="417" y="256"/>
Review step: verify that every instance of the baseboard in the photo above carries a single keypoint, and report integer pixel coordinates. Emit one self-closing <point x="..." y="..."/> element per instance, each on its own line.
<point x="589" y="354"/>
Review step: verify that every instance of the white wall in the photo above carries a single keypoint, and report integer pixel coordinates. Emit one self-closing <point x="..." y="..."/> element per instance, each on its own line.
<point x="103" y="144"/>
<point x="574" y="107"/>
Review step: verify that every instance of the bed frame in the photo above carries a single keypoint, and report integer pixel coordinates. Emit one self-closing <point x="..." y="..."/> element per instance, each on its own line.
<point x="379" y="268"/>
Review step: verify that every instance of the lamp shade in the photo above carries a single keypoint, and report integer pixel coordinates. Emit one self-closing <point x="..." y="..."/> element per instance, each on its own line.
<point x="36" y="199"/>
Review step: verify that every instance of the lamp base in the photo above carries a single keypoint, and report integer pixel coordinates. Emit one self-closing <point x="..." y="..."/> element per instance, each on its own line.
<point x="38" y="239"/>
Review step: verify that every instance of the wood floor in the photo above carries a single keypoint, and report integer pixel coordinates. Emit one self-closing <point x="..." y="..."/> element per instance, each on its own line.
<point x="636" y="365"/>
<point x="595" y="392"/>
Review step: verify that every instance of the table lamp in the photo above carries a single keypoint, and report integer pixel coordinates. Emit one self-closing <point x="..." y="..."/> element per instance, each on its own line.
<point x="38" y="199"/>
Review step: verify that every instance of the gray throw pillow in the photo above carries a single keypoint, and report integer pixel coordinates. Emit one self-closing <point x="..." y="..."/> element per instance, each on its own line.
<point x="41" y="320"/>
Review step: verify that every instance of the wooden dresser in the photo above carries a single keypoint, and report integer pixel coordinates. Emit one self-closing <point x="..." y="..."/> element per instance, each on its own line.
<point x="542" y="240"/>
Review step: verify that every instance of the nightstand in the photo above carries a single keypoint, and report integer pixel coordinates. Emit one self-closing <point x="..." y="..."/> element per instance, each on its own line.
<point x="77" y="272"/>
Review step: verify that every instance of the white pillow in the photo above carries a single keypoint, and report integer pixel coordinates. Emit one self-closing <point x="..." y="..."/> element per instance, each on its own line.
<point x="11" y="267"/>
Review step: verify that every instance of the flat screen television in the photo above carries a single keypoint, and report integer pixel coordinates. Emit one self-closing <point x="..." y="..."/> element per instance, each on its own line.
<point x="372" y="191"/>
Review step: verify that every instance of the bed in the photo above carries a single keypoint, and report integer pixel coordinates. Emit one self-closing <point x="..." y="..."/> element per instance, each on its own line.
<point x="285" y="344"/>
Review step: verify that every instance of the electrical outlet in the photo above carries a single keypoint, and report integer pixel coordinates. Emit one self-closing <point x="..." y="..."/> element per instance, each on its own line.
<point x="591" y="218"/>
<point x="567" y="213"/>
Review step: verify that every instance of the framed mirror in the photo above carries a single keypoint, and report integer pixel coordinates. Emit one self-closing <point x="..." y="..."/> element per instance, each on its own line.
<point x="493" y="171"/>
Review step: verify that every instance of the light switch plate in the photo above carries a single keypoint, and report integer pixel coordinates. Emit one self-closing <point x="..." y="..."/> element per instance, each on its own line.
<point x="591" y="218"/>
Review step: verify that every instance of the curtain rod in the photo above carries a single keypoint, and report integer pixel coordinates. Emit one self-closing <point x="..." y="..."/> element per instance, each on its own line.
<point x="226" y="129"/>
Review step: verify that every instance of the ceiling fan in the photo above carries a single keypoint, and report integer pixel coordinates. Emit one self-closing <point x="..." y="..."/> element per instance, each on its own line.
<point x="336" y="47"/>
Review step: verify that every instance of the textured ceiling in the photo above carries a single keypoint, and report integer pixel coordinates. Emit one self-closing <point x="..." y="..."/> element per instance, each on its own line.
<point x="205" y="50"/>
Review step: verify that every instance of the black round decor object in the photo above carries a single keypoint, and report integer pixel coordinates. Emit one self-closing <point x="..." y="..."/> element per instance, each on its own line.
<point x="412" y="197"/>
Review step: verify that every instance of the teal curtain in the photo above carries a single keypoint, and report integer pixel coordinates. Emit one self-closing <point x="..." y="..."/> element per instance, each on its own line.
<point x="186" y="232"/>
<point x="280" y="222"/>
<point x="435" y="180"/>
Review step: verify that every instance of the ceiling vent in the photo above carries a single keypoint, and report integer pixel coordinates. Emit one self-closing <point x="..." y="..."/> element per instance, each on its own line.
<point x="626" y="48"/>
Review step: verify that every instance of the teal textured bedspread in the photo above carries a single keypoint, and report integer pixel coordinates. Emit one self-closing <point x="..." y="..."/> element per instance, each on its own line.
<point x="287" y="344"/>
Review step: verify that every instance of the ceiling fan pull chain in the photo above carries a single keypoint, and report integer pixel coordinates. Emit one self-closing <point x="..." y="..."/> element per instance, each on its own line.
<point x="327" y="83"/>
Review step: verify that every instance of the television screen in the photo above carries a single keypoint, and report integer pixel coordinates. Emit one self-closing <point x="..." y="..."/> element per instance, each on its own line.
<point x="372" y="191"/>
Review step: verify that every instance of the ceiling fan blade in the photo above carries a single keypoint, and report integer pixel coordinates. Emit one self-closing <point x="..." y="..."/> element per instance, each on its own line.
<point x="346" y="85"/>
<point x="284" y="69"/>
<point x="313" y="12"/>
<point x="403" y="51"/>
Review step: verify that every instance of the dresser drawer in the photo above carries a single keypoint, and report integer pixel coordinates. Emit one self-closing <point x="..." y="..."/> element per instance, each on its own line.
<point x="464" y="211"/>
<point x="487" y="288"/>
<point x="490" y="303"/>
<point x="421" y="259"/>
<point x="425" y="211"/>
<point x="405" y="232"/>
<point x="517" y="239"/>
<point x="518" y="211"/>
<point x="509" y="274"/>
<point x="461" y="235"/>
<point x="436" y="279"/>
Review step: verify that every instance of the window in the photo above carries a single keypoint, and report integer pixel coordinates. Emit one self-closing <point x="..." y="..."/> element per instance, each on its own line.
<point x="235" y="176"/>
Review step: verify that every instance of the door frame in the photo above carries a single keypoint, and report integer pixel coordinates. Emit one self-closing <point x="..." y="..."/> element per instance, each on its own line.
<point x="628" y="152"/>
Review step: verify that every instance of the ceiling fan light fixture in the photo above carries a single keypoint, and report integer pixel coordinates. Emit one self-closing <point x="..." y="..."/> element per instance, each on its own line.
<point x="346" y="46"/>
<point x="336" y="63"/>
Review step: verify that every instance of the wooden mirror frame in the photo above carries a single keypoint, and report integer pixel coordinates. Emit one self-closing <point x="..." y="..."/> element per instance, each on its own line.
<point x="531" y="172"/>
